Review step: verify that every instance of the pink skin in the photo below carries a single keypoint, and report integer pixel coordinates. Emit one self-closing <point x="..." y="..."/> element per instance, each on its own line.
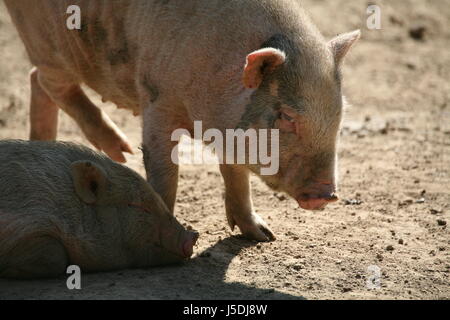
<point x="188" y="245"/>
<point x="318" y="196"/>
<point x="317" y="203"/>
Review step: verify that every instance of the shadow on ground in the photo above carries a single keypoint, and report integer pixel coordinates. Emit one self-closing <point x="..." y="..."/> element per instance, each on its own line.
<point x="201" y="278"/>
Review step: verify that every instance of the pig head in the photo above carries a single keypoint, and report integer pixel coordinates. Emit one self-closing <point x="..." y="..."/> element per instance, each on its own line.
<point x="299" y="93"/>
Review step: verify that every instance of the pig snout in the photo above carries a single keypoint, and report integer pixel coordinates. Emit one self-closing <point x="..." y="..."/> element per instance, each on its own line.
<point x="188" y="244"/>
<point x="317" y="196"/>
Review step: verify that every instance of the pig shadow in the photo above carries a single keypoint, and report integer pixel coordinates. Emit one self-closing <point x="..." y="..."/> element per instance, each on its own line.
<point x="201" y="278"/>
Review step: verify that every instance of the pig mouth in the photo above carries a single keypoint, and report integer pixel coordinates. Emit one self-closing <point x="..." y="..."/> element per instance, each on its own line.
<point x="316" y="203"/>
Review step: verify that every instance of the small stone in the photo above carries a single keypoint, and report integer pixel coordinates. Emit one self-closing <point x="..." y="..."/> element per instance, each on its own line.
<point x="405" y="202"/>
<point x="418" y="32"/>
<point x="352" y="202"/>
<point x="396" y="20"/>
<point x="297" y="267"/>
<point x="280" y="196"/>
<point x="441" y="222"/>
<point x="390" y="248"/>
<point x="400" y="241"/>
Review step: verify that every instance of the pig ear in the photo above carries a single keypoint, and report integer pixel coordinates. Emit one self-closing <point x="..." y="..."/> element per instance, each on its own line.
<point x="89" y="180"/>
<point x="259" y="63"/>
<point x="341" y="44"/>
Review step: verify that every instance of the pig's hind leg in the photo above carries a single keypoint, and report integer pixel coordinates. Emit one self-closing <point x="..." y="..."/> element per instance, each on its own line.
<point x="239" y="206"/>
<point x="98" y="128"/>
<point x="39" y="257"/>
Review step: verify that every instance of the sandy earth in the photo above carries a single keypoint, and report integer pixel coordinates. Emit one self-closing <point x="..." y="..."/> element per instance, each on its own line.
<point x="394" y="173"/>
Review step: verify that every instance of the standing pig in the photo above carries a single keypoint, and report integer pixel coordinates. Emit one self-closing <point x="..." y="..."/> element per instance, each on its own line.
<point x="231" y="64"/>
<point x="63" y="204"/>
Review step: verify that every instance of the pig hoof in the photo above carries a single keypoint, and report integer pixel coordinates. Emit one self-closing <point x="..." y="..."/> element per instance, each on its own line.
<point x="114" y="145"/>
<point x="116" y="152"/>
<point x="257" y="230"/>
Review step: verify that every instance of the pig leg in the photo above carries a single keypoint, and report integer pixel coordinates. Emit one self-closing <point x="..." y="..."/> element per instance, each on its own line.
<point x="162" y="172"/>
<point x="95" y="124"/>
<point x="43" y="112"/>
<point x="35" y="258"/>
<point x="239" y="206"/>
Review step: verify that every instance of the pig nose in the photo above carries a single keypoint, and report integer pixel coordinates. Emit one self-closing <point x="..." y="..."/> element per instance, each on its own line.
<point x="316" y="203"/>
<point x="319" y="196"/>
<point x="189" y="243"/>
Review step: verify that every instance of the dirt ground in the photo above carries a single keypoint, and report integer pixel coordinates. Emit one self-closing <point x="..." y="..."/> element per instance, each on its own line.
<point x="394" y="181"/>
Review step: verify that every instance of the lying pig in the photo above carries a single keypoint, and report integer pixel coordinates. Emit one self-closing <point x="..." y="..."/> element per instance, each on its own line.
<point x="258" y="64"/>
<point x="63" y="204"/>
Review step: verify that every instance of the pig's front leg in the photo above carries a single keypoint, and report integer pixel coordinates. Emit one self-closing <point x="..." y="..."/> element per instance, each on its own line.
<point x="43" y="111"/>
<point x="239" y="206"/>
<point x="162" y="171"/>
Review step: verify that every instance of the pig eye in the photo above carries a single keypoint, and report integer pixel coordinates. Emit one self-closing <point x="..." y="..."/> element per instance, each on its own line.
<point x="286" y="122"/>
<point x="284" y="116"/>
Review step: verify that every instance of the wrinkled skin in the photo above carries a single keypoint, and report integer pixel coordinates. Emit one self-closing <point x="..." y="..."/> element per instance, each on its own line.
<point x="62" y="204"/>
<point x="235" y="64"/>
